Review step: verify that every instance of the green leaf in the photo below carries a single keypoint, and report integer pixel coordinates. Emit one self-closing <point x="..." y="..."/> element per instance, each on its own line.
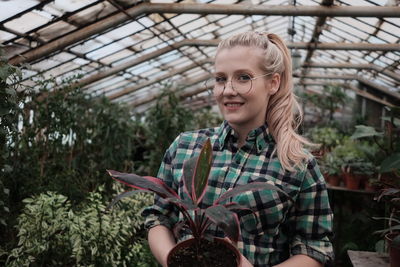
<point x="396" y="121"/>
<point x="202" y="171"/>
<point x="11" y="91"/>
<point x="123" y="195"/>
<point x="391" y="163"/>
<point x="364" y="131"/>
<point x="4" y="111"/>
<point x="149" y="183"/>
<point x="225" y="219"/>
<point x="189" y="167"/>
<point x="255" y="186"/>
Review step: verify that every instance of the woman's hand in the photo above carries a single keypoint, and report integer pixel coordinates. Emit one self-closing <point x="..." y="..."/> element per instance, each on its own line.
<point x="244" y="262"/>
<point x="161" y="241"/>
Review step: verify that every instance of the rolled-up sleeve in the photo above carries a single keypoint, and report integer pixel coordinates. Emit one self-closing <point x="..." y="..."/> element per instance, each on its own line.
<point x="163" y="212"/>
<point x="313" y="218"/>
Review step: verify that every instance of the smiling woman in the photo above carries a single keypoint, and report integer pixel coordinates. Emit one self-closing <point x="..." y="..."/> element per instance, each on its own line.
<point x="257" y="142"/>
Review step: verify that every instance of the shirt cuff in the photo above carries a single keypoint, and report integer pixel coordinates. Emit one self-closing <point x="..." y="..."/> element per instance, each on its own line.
<point x="320" y="250"/>
<point x="153" y="220"/>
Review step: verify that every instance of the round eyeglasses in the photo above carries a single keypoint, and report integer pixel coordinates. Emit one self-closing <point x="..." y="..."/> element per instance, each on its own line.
<point x="241" y="83"/>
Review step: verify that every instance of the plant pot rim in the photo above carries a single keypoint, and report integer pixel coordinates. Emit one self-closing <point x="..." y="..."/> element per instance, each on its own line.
<point x="187" y="242"/>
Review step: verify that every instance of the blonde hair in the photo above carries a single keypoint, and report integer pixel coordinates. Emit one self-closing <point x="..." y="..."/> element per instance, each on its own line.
<point x="280" y="117"/>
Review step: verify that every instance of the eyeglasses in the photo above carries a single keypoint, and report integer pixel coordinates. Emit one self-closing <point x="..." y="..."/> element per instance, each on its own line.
<point x="241" y="83"/>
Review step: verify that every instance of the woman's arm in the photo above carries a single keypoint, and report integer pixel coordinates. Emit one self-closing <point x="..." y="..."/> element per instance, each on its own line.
<point x="161" y="241"/>
<point x="300" y="261"/>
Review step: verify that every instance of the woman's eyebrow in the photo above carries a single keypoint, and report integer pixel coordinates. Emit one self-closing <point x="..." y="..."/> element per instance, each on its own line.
<point x="234" y="72"/>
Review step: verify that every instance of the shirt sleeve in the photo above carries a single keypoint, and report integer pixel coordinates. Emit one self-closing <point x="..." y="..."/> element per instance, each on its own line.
<point x="163" y="212"/>
<point x="313" y="218"/>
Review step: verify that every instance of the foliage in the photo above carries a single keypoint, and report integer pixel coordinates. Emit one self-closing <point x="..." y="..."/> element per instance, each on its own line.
<point x="206" y="118"/>
<point x="52" y="232"/>
<point x="331" y="163"/>
<point x="388" y="141"/>
<point x="58" y="138"/>
<point x="327" y="103"/>
<point x="356" y="157"/>
<point x="195" y="179"/>
<point x="64" y="135"/>
<point x="9" y="100"/>
<point x="326" y="137"/>
<point x="388" y="161"/>
<point x="164" y="122"/>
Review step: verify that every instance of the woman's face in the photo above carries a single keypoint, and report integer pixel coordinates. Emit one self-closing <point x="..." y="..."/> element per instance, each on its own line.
<point x="245" y="111"/>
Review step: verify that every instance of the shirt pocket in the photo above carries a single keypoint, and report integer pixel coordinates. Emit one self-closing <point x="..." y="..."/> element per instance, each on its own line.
<point x="269" y="209"/>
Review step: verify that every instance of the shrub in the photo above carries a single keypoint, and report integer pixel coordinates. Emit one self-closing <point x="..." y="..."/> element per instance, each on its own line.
<point x="52" y="233"/>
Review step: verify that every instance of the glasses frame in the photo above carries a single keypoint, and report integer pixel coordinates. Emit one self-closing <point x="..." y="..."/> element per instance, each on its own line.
<point x="233" y="88"/>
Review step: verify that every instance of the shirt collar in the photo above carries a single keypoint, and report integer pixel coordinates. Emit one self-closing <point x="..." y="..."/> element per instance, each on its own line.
<point x="260" y="135"/>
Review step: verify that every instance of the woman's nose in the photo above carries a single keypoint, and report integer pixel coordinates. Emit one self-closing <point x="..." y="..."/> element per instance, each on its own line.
<point x="229" y="90"/>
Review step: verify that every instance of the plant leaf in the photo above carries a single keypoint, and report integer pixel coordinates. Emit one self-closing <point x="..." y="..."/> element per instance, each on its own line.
<point x="387" y="192"/>
<point x="123" y="195"/>
<point x="202" y="171"/>
<point x="149" y="183"/>
<point x="390" y="163"/>
<point x="364" y="131"/>
<point x="225" y="219"/>
<point x="189" y="167"/>
<point x="186" y="204"/>
<point x="255" y="186"/>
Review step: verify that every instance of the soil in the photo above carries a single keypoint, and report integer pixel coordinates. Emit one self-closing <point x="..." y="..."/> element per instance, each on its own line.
<point x="209" y="254"/>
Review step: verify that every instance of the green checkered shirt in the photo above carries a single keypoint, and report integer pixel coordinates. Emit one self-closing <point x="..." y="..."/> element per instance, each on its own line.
<point x="276" y="230"/>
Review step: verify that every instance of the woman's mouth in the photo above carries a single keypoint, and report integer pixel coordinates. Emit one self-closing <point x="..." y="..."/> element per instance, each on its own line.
<point x="233" y="105"/>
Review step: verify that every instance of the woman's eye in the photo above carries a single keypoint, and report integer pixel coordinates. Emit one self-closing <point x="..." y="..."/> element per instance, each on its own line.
<point x="220" y="79"/>
<point x="243" y="78"/>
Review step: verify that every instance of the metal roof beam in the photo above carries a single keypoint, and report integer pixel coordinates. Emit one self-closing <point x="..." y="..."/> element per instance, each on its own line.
<point x="144" y="58"/>
<point x="353" y="88"/>
<point x="135" y="88"/>
<point x="193" y="42"/>
<point x="378" y="87"/>
<point x="179" y="8"/>
<point x="316" y="33"/>
<point x="187" y="83"/>
<point x="377" y="68"/>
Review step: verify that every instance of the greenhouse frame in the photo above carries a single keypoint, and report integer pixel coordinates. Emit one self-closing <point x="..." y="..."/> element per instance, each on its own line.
<point x="136" y="55"/>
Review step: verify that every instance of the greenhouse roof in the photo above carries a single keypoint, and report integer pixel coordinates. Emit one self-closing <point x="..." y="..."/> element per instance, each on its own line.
<point x="128" y="50"/>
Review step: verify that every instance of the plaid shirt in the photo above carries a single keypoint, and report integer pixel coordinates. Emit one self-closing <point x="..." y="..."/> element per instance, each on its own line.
<point x="276" y="230"/>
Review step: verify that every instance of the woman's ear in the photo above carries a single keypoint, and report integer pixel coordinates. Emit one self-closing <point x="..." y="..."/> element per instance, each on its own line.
<point x="275" y="82"/>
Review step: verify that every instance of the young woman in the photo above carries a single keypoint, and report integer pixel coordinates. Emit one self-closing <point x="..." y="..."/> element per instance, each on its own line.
<point x="257" y="141"/>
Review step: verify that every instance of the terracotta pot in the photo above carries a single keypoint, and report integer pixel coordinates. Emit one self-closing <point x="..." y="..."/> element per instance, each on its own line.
<point x="352" y="180"/>
<point x="183" y="254"/>
<point x="334" y="180"/>
<point x="370" y="187"/>
<point x="394" y="252"/>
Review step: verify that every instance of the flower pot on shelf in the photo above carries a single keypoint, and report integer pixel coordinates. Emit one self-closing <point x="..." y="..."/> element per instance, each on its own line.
<point x="352" y="180"/>
<point x="333" y="180"/>
<point x="394" y="251"/>
<point x="203" y="252"/>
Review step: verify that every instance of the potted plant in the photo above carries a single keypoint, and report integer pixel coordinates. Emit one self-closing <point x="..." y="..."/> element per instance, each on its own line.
<point x="388" y="163"/>
<point x="331" y="168"/>
<point x="223" y="213"/>
<point x="326" y="137"/>
<point x="391" y="196"/>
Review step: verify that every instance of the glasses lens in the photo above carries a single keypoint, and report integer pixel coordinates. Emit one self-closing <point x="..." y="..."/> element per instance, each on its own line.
<point x="242" y="83"/>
